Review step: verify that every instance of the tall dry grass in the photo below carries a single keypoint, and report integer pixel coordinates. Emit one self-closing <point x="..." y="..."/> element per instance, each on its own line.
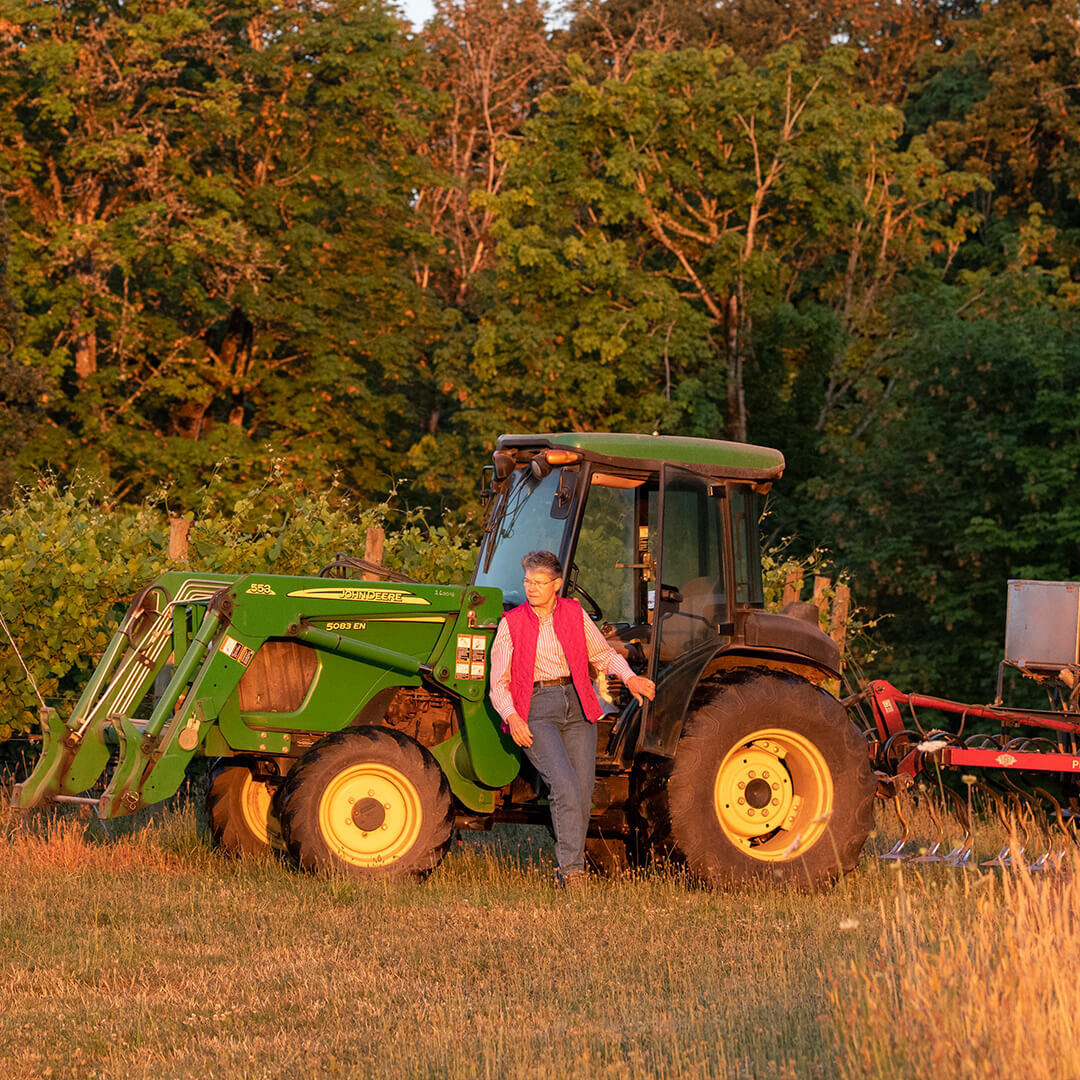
<point x="980" y="987"/>
<point x="146" y="954"/>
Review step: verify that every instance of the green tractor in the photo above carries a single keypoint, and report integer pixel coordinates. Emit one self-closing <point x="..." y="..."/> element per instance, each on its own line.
<point x="350" y="723"/>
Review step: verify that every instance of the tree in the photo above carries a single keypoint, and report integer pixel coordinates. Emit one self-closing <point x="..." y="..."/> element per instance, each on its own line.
<point x="960" y="471"/>
<point x="648" y="224"/>
<point x="21" y="388"/>
<point x="211" y="221"/>
<point x="611" y="36"/>
<point x="488" y="62"/>
<point x="1004" y="102"/>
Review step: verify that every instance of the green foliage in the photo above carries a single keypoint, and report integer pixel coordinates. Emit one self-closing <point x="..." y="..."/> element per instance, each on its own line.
<point x="71" y="559"/>
<point x="958" y="470"/>
<point x="210" y="211"/>
<point x="292" y="225"/>
<point x="784" y="564"/>
<point x="652" y="228"/>
<point x="22" y="388"/>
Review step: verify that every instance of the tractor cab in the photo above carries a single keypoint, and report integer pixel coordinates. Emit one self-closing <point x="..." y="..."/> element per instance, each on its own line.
<point x="659" y="539"/>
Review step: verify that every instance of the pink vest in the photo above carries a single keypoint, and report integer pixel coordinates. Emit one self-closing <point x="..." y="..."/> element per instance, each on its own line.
<point x="570" y="632"/>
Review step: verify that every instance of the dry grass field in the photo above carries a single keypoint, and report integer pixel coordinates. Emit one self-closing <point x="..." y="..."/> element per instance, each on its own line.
<point x="147" y="954"/>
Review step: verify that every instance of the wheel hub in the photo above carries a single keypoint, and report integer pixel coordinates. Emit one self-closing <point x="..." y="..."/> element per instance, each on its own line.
<point x="773" y="794"/>
<point x="368" y="814"/>
<point x="753" y="790"/>
<point x="758" y="794"/>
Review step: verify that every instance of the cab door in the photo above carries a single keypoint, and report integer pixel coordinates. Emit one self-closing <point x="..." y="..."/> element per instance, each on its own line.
<point x="691" y="602"/>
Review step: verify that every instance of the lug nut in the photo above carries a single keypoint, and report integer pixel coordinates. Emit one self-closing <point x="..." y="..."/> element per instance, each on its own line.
<point x="776" y="802"/>
<point x="751" y="774"/>
<point x="742" y="801"/>
<point x="750" y="812"/>
<point x="742" y="784"/>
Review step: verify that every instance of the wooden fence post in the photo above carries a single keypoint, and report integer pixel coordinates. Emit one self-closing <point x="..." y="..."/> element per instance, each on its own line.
<point x="841" y="605"/>
<point x="374" y="542"/>
<point x="178" y="539"/>
<point x="821" y="602"/>
<point x="792" y="586"/>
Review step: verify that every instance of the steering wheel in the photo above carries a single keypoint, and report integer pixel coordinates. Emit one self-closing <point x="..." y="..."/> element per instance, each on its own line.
<point x="593" y="609"/>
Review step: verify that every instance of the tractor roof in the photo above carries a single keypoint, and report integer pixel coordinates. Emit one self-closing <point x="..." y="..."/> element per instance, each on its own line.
<point x="741" y="460"/>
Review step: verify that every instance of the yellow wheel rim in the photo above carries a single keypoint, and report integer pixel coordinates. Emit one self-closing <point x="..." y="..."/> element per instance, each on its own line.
<point x="255" y="803"/>
<point x="370" y="815"/>
<point x="773" y="795"/>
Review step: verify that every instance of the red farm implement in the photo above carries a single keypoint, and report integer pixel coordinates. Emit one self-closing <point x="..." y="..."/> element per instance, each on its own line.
<point x="1025" y="770"/>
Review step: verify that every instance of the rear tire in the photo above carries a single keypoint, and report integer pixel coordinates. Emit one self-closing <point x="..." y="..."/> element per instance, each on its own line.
<point x="607" y="855"/>
<point x="367" y="802"/>
<point x="239" y="808"/>
<point x="770" y="780"/>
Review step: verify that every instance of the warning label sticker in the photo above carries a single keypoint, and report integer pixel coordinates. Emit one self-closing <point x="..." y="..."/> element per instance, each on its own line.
<point x="237" y="651"/>
<point x="479" y="652"/>
<point x="461" y="661"/>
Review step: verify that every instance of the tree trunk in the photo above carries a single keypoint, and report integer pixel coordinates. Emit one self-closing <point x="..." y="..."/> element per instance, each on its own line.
<point x="85" y="353"/>
<point x="736" y="398"/>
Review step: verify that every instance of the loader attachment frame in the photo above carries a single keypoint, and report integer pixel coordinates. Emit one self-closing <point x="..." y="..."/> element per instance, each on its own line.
<point x="212" y="627"/>
<point x="76" y="752"/>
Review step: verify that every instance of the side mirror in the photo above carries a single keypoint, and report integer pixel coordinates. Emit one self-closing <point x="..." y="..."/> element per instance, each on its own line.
<point x="560" y="505"/>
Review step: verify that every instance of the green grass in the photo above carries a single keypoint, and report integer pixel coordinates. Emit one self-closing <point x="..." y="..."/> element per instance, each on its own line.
<point x="147" y="954"/>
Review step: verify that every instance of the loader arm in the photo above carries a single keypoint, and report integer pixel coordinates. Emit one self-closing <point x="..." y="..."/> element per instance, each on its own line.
<point x="155" y="628"/>
<point x="362" y="639"/>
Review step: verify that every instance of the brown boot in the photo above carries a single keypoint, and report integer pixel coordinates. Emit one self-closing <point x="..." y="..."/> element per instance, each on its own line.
<point x="574" y="880"/>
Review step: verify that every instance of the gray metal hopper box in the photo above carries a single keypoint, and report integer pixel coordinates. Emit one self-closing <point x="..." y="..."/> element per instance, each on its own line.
<point x="1042" y="624"/>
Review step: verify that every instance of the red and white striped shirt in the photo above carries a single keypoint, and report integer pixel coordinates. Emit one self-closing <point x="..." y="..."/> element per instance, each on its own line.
<point x="550" y="661"/>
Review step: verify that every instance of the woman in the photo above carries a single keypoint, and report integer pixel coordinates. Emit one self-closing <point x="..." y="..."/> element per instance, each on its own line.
<point x="541" y="688"/>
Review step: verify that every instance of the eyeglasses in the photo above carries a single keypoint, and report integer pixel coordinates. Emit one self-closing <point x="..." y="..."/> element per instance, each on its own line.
<point x="538" y="583"/>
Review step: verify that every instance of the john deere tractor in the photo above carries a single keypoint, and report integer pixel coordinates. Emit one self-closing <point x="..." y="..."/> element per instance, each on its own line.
<point x="349" y="720"/>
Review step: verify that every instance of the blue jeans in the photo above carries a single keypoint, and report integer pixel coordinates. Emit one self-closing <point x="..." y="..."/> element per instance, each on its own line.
<point x="564" y="754"/>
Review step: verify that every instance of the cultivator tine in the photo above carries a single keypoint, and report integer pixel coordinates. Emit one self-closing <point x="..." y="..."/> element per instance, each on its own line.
<point x="1053" y="860"/>
<point x="1004" y="858"/>
<point x="931" y="855"/>
<point x="1036" y="815"/>
<point x="960" y="856"/>
<point x="896" y="852"/>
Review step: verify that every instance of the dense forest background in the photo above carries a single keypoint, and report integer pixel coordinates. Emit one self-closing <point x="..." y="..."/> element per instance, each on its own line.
<point x="307" y="239"/>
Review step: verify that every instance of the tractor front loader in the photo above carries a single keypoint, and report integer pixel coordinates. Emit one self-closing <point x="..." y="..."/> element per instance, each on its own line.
<point x="350" y="720"/>
<point x="258" y="669"/>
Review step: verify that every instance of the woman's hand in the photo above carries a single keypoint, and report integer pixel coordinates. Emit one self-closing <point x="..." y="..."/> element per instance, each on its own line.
<point x="519" y="730"/>
<point x="641" y="688"/>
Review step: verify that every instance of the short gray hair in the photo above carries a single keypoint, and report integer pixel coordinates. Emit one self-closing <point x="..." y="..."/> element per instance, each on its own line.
<point x="542" y="560"/>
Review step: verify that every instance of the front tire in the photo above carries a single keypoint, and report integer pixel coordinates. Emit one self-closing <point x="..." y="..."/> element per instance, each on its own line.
<point x="770" y="780"/>
<point x="239" y="806"/>
<point x="367" y="802"/>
